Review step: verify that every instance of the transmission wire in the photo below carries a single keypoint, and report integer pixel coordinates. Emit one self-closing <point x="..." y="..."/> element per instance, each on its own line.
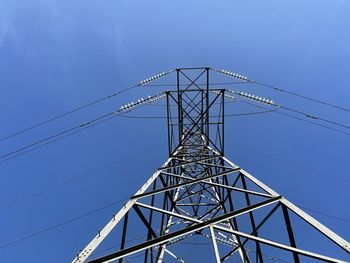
<point x="302" y="96"/>
<point x="267" y="111"/>
<point x="115" y="246"/>
<point x="311" y="122"/>
<point x="56" y="137"/>
<point x="292" y="164"/>
<point x="132" y="87"/>
<point x="324" y="214"/>
<point x="65" y="133"/>
<point x="290" y="93"/>
<point x="74" y="179"/>
<point x="60" y="224"/>
<point x="315" y="117"/>
<point x="295" y="117"/>
<point x="67" y="113"/>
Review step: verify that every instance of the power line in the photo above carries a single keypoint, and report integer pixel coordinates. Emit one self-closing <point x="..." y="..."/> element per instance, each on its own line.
<point x="132" y="87"/>
<point x="74" y="179"/>
<point x="252" y="113"/>
<point x="67" y="113"/>
<point x="55" y="140"/>
<point x="324" y="214"/>
<point x="301" y="96"/>
<point x="56" y="137"/>
<point x="151" y="117"/>
<point x="311" y="122"/>
<point x="66" y="133"/>
<point x="142" y="83"/>
<point x="272" y="258"/>
<point x="297" y="118"/>
<point x="115" y="246"/>
<point x="40" y="232"/>
<point x="315" y="117"/>
<point x="292" y="164"/>
<point x="249" y="81"/>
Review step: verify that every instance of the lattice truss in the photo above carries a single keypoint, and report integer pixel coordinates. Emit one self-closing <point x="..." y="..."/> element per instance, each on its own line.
<point x="199" y="206"/>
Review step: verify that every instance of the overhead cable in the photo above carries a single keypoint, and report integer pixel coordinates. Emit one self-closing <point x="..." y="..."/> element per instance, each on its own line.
<point x="303" y="96"/>
<point x="65" y="114"/>
<point x="65" y="133"/>
<point x="272" y="103"/>
<point x="54" y="136"/>
<point x="266" y="110"/>
<point x="305" y="115"/>
<point x="296" y="165"/>
<point x="73" y="219"/>
<point x="248" y="80"/>
<point x="313" y="123"/>
<point x="325" y="214"/>
<point x="311" y="116"/>
<point x="143" y="82"/>
<point x="73" y="179"/>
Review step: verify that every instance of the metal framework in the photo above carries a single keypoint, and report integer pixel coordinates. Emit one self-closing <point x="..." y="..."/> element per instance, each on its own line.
<point x="198" y="193"/>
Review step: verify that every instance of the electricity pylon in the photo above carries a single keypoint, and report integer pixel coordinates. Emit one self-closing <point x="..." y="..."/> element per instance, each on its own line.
<point x="199" y="194"/>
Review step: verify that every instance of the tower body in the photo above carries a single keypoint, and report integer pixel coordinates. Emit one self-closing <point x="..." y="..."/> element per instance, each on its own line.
<point x="200" y="197"/>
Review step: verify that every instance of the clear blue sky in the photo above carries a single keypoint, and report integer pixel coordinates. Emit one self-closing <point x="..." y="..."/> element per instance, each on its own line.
<point x="56" y="55"/>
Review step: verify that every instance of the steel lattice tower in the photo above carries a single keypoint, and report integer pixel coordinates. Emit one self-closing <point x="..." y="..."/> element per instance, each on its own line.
<point x="199" y="193"/>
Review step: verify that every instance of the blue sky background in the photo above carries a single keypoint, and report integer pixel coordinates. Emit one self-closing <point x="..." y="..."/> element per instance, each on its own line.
<point x="57" y="55"/>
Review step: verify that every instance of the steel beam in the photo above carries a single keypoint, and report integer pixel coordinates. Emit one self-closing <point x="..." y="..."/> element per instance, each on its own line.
<point x="198" y="226"/>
